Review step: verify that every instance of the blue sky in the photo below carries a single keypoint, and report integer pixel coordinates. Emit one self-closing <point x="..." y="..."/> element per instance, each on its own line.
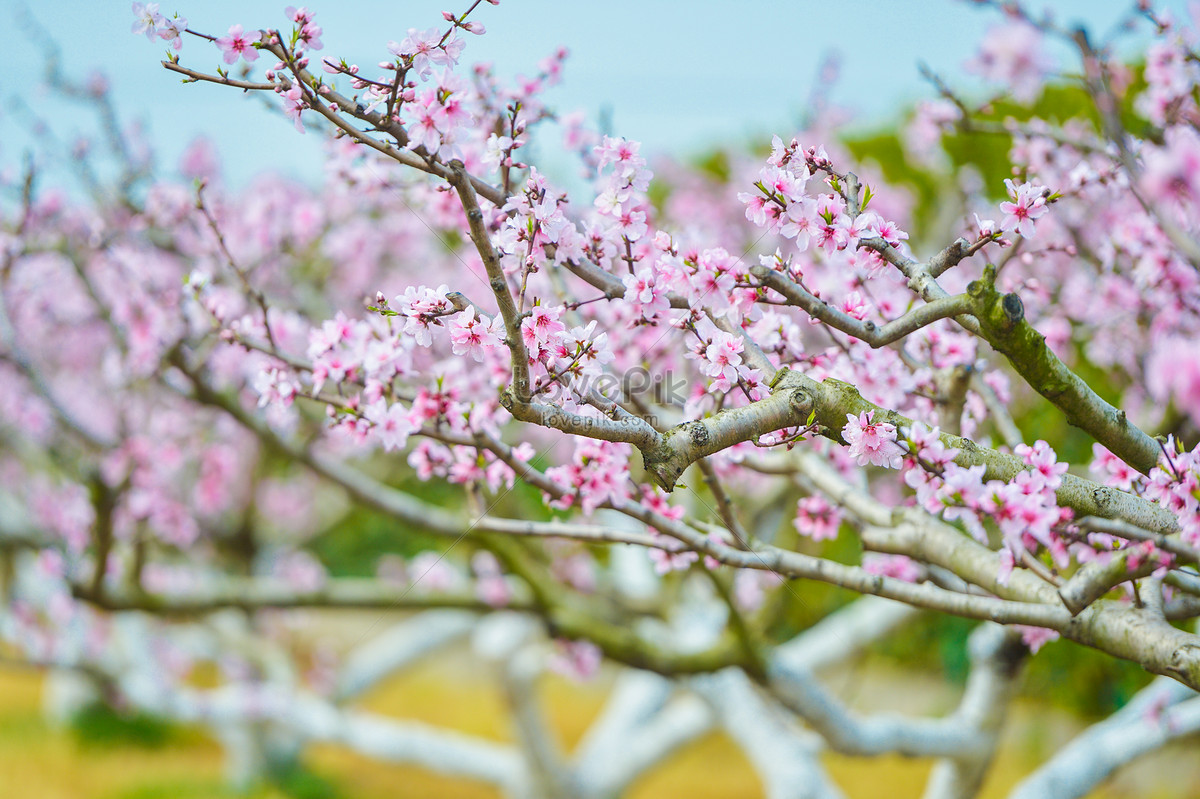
<point x="678" y="76"/>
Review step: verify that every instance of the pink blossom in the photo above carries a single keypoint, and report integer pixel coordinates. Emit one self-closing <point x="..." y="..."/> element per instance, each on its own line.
<point x="872" y="442"/>
<point x="632" y="224"/>
<point x="308" y="32"/>
<point x="1036" y="637"/>
<point x="497" y="150"/>
<point x="275" y="386"/>
<point x="431" y="572"/>
<point x="1007" y="563"/>
<point x="236" y="45"/>
<point x="722" y="357"/>
<point x="749" y="587"/>
<point x="1012" y="55"/>
<point x="927" y="445"/>
<point x="148" y="19"/>
<point x="799" y="221"/>
<point x="643" y="292"/>
<point x="579" y="660"/>
<point x="1029" y="203"/>
<point x="676" y="559"/>
<point x="1173" y="373"/>
<point x="293" y="104"/>
<point x="541" y="328"/>
<point x="1044" y="463"/>
<point x="816" y="518"/>
<point x="422" y="307"/>
<point x="984" y="228"/>
<point x="171" y="30"/>
<point x="855" y="306"/>
<point x="889" y="231"/>
<point x="392" y="426"/>
<point x="490" y="585"/>
<point x="430" y="458"/>
<point x="301" y="571"/>
<point x="424" y="50"/>
<point x="471" y="334"/>
<point x="598" y="473"/>
<point x="1113" y="471"/>
<point x="895" y="566"/>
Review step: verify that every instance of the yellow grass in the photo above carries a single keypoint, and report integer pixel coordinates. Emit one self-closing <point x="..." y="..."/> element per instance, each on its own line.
<point x="39" y="761"/>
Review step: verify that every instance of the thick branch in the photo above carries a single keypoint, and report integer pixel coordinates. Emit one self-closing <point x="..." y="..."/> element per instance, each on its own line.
<point x="1162" y="712"/>
<point x="399" y="646"/>
<point x="684" y="444"/>
<point x="996" y="656"/>
<point x="849" y="733"/>
<point x="833" y="400"/>
<point x="1113" y="627"/>
<point x="785" y="755"/>
<point x="643" y="723"/>
<point x="1116" y="628"/>
<point x="1002" y="323"/>
<point x="1097" y="578"/>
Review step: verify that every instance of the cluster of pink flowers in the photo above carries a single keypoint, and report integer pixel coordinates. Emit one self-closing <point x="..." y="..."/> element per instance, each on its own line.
<point x="276" y="387"/>
<point x="872" y="442"/>
<point x="817" y="518"/>
<point x="150" y="22"/>
<point x="721" y="359"/>
<point x="1013" y="56"/>
<point x="236" y="44"/>
<point x="558" y="356"/>
<point x="598" y="473"/>
<point x="1025" y="510"/>
<point x="1171" y="75"/>
<point x="644" y="291"/>
<point x="1173" y="374"/>
<point x="1172" y="174"/>
<point x="390" y="424"/>
<point x="423" y="50"/>
<point x="536" y="220"/>
<point x="435" y="116"/>
<point x="423" y="308"/>
<point x="471" y="333"/>
<point x="716" y="278"/>
<point x="464" y="465"/>
<point x="784" y="204"/>
<point x="1028" y="203"/>
<point x="623" y="188"/>
<point x="346" y="350"/>
<point x="1174" y="483"/>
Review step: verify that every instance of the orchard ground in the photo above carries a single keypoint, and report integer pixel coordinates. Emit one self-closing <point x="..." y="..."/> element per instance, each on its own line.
<point x="44" y="760"/>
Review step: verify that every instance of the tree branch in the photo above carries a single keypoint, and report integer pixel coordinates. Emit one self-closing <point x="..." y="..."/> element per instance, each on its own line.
<point x="1002" y="323"/>
<point x="917" y="318"/>
<point x="1162" y="712"/>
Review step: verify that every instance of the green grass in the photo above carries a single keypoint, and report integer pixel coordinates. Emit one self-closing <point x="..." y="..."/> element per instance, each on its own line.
<point x="99" y="725"/>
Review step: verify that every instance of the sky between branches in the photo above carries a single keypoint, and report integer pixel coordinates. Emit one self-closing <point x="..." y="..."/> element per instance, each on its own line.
<point x="677" y="76"/>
